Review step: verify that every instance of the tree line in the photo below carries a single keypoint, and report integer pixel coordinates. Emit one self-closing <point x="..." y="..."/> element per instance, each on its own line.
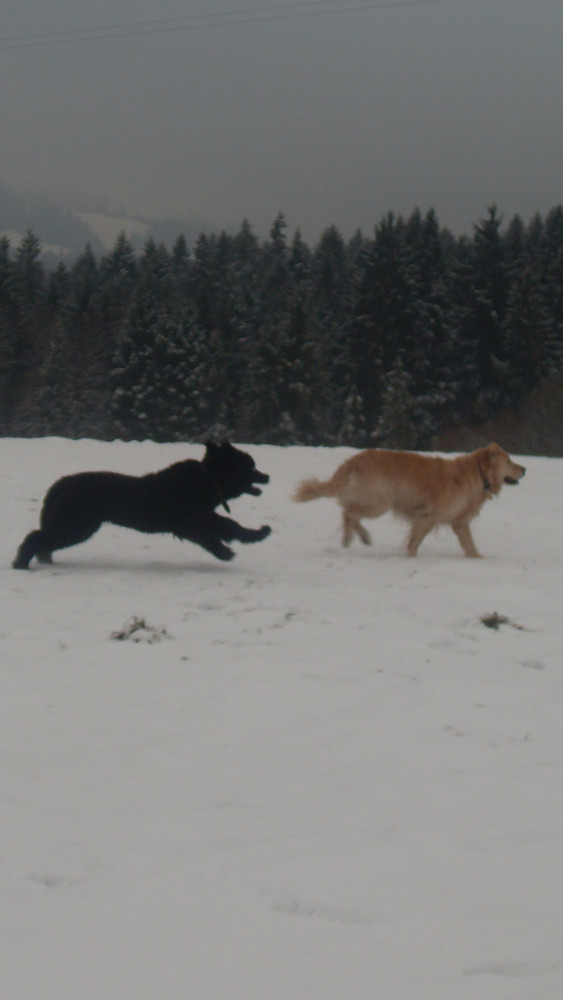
<point x="381" y="340"/>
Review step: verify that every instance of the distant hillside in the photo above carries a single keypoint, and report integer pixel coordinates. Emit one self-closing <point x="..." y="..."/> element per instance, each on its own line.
<point x="64" y="234"/>
<point x="108" y="227"/>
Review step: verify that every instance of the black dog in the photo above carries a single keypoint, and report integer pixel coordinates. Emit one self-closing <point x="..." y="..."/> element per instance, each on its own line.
<point x="180" y="499"/>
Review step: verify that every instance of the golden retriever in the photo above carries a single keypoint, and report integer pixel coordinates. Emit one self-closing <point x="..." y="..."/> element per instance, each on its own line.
<point x="427" y="491"/>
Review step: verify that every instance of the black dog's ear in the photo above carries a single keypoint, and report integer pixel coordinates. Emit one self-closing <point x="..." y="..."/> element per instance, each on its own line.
<point x="210" y="446"/>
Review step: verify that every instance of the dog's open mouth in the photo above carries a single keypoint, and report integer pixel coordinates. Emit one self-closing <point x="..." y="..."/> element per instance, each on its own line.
<point x="258" y="477"/>
<point x="510" y="481"/>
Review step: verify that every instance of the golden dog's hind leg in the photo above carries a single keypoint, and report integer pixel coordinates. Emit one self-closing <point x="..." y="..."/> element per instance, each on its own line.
<point x="346" y="530"/>
<point x="465" y="537"/>
<point x="347" y="527"/>
<point x="419" y="531"/>
<point x="350" y="526"/>
<point x="362" y="533"/>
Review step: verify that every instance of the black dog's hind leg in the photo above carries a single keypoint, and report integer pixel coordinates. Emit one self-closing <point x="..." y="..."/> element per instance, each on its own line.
<point x="44" y="542"/>
<point x="30" y="547"/>
<point x="232" y="531"/>
<point x="37" y="544"/>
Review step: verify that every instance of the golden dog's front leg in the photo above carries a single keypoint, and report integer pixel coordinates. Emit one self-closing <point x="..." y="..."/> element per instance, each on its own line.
<point x="463" y="532"/>
<point x="347" y="528"/>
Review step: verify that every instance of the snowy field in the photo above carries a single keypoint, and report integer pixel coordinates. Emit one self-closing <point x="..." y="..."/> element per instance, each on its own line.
<point x="314" y="775"/>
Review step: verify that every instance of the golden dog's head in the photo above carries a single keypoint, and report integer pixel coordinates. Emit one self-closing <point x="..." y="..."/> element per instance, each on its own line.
<point x="497" y="468"/>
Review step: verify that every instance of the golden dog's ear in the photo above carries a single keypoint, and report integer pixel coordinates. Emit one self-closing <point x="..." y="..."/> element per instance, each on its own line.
<point x="494" y="449"/>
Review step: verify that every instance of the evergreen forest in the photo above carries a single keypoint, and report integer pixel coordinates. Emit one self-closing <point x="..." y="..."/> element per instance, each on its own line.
<point x="383" y="340"/>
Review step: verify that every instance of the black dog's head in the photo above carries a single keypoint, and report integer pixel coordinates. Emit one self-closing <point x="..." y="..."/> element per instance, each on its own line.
<point x="233" y="470"/>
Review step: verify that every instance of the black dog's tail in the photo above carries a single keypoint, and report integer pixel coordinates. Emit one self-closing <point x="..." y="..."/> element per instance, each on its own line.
<point x="32" y="545"/>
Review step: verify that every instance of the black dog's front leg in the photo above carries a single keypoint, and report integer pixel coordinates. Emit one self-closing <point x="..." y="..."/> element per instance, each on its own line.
<point x="232" y="531"/>
<point x="212" y="532"/>
<point x="206" y="535"/>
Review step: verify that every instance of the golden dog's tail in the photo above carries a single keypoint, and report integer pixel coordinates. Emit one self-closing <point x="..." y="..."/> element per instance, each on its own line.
<point x="312" y="489"/>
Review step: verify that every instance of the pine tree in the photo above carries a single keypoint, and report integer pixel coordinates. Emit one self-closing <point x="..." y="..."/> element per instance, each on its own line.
<point x="8" y="383"/>
<point x="160" y="378"/>
<point x="384" y="314"/>
<point x="219" y="295"/>
<point x="28" y="274"/>
<point x="75" y="396"/>
<point x="478" y="315"/>
<point x="425" y="354"/>
<point x="527" y="333"/>
<point x="160" y="370"/>
<point x="396" y="427"/>
<point x="116" y="281"/>
<point x="352" y="430"/>
<point x="28" y="335"/>
<point x="331" y="308"/>
<point x="550" y="252"/>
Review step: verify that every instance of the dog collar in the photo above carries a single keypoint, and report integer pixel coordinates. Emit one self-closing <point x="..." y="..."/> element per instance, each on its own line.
<point x="220" y="498"/>
<point x="487" y="486"/>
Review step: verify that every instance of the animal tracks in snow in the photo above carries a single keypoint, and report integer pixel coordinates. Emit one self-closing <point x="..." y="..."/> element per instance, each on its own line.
<point x="295" y="906"/>
<point x="54" y="879"/>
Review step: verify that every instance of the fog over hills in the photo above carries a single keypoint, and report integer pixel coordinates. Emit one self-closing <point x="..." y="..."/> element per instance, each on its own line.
<point x="65" y="232"/>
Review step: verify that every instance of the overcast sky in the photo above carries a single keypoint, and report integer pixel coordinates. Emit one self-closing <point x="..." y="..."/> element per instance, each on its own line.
<point x="333" y="112"/>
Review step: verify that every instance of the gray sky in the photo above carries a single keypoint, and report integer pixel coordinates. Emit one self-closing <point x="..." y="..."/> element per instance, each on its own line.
<point x="331" y="112"/>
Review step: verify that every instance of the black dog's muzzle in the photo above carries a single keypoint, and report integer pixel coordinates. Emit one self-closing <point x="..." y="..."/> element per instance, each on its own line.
<point x="258" y="477"/>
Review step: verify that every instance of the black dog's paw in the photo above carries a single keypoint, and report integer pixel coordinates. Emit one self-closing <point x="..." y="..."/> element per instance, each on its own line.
<point x="224" y="553"/>
<point x="255" y="534"/>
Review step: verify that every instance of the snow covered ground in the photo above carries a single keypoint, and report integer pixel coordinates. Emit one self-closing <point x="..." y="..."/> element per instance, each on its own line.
<point x="314" y="775"/>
